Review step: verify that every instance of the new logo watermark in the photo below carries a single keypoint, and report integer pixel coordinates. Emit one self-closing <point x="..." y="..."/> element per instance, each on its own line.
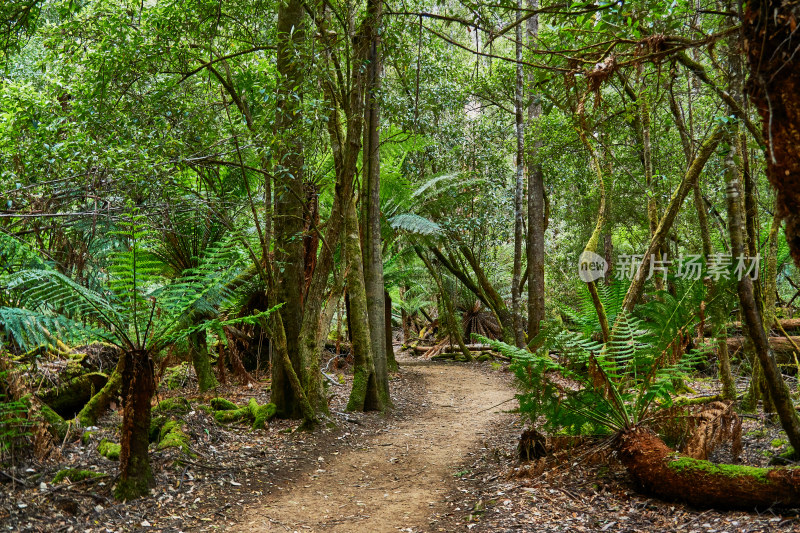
<point x="591" y="266"/>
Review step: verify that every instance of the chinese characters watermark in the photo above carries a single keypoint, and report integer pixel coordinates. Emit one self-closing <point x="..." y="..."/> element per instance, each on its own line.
<point x="716" y="266"/>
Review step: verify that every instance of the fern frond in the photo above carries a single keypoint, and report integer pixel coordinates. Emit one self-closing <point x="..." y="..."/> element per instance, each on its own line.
<point x="415" y="224"/>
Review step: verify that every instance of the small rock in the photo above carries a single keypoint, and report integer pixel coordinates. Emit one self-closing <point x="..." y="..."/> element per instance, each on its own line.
<point x="145" y="523"/>
<point x="42" y="486"/>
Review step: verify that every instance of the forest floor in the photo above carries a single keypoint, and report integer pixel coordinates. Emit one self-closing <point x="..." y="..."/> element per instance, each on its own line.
<point x="444" y="459"/>
<point x="395" y="479"/>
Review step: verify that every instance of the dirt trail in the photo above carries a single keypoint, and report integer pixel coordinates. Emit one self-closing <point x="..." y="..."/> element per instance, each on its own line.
<point x="398" y="478"/>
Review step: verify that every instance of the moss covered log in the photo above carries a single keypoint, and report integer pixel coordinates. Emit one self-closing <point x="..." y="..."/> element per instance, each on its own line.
<point x="70" y="397"/>
<point x="226" y="412"/>
<point x="98" y="404"/>
<point x="172" y="435"/>
<point x="659" y="471"/>
<point x="56" y="426"/>
<point x="75" y="474"/>
<point x="109" y="450"/>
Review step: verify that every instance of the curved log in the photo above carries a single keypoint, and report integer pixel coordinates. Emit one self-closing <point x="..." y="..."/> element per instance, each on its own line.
<point x="659" y="471"/>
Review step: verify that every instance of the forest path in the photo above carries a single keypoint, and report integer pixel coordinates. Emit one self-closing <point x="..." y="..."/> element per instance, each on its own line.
<point x="397" y="478"/>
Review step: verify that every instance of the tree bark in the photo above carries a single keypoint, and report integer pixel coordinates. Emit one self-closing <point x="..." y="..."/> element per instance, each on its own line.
<point x="371" y="202"/>
<point x="365" y="395"/>
<point x="138" y="386"/>
<point x="536" y="200"/>
<point x="200" y="361"/>
<point x="770" y="42"/>
<point x="659" y="471"/>
<point x="519" y="179"/>
<point x="288" y="191"/>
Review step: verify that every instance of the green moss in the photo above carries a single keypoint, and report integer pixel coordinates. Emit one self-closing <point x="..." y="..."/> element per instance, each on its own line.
<point x="156" y="423"/>
<point x="777" y="443"/>
<point x="263" y="413"/>
<point x="173" y="405"/>
<point x="485" y="357"/>
<point x="86" y="438"/>
<point x="225" y="417"/>
<point x="221" y="404"/>
<point x="175" y="376"/>
<point x="707" y="467"/>
<point x="75" y="475"/>
<point x="167" y="428"/>
<point x="57" y="426"/>
<point x="173" y="436"/>
<point x="109" y="450"/>
<point x="259" y="414"/>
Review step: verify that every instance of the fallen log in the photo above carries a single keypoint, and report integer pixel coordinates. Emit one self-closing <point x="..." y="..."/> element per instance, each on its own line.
<point x="659" y="471"/>
<point x="470" y="347"/>
<point x="69" y="397"/>
<point x="782" y="347"/>
<point x="789" y="324"/>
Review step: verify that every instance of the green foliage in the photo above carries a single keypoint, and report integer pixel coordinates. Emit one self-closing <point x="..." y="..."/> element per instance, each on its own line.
<point x="578" y="385"/>
<point x="584" y="316"/>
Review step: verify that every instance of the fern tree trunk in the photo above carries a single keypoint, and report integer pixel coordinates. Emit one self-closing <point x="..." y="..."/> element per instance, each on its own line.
<point x="659" y="471"/>
<point x="774" y="86"/>
<point x="366" y="394"/>
<point x="138" y="386"/>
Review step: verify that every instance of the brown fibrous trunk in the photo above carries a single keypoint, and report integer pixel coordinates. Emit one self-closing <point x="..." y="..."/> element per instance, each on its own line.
<point x="659" y="471"/>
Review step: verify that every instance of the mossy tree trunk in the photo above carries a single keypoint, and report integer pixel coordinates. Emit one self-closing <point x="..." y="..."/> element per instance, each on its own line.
<point x="778" y="391"/>
<point x="201" y="362"/>
<point x="659" y="471"/>
<point x="365" y="395"/>
<point x="288" y="201"/>
<point x="138" y="386"/>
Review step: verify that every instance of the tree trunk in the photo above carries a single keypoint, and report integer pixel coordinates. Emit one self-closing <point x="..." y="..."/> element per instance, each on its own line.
<point x="371" y="201"/>
<point x="201" y="362"/>
<point x="778" y="391"/>
<point x="365" y="395"/>
<point x="687" y="183"/>
<point x="138" y="386"/>
<point x="659" y="471"/>
<point x="536" y="201"/>
<point x="519" y="179"/>
<point x="771" y="42"/>
<point x="288" y="191"/>
<point x="391" y="362"/>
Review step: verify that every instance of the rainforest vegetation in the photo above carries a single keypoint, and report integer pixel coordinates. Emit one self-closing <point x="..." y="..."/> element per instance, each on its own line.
<point x="270" y="223"/>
